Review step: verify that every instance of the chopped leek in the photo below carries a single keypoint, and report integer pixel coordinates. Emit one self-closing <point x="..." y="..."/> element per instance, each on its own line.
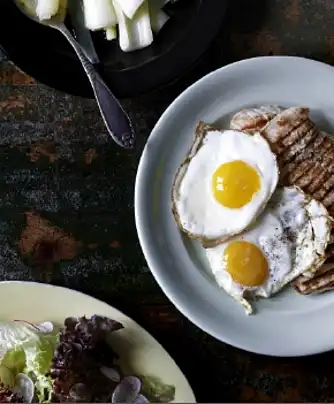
<point x="130" y="7"/>
<point x="135" y="33"/>
<point x="99" y="14"/>
<point x="46" y="9"/>
<point x="111" y="33"/>
<point x="158" y="19"/>
<point x="136" y="19"/>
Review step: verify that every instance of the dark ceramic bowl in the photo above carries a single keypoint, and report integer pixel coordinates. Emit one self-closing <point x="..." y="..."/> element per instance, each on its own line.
<point x="45" y="55"/>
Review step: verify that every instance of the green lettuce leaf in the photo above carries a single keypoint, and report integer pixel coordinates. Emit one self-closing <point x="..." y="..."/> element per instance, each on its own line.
<point x="6" y="377"/>
<point x="28" y="349"/>
<point x="157" y="391"/>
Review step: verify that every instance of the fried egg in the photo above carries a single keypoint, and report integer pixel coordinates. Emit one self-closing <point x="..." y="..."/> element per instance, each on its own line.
<point x="288" y="239"/>
<point x="224" y="184"/>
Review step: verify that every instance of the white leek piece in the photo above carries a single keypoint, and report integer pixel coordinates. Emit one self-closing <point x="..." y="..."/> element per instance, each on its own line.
<point x="130" y="7"/>
<point x="62" y="11"/>
<point x="99" y="14"/>
<point x="30" y="8"/>
<point x="111" y="33"/>
<point x="158" y="19"/>
<point x="136" y="33"/>
<point x="46" y="9"/>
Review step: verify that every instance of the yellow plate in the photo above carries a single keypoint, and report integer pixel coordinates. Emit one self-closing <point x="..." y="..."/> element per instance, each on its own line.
<point x="139" y="352"/>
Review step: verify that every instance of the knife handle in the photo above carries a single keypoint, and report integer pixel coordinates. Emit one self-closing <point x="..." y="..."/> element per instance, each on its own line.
<point x="115" y="118"/>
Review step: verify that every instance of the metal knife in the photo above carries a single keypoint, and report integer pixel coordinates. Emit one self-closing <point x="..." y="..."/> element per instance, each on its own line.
<point x="82" y="34"/>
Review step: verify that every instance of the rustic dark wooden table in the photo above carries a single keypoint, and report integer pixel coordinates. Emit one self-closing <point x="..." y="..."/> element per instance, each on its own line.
<point x="66" y="204"/>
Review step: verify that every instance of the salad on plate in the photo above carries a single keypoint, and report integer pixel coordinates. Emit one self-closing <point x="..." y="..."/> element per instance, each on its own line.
<point x="73" y="363"/>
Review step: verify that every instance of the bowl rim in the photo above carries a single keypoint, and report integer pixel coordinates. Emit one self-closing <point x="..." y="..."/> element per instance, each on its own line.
<point x="146" y="77"/>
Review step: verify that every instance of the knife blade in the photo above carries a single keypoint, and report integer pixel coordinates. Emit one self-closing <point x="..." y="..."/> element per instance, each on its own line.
<point x="82" y="34"/>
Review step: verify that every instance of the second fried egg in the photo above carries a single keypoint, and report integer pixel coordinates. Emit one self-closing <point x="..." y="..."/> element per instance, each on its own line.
<point x="288" y="239"/>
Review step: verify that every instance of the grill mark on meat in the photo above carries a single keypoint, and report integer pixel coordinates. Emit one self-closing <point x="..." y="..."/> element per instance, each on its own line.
<point x="306" y="158"/>
<point x="306" y="179"/>
<point x="295" y="151"/>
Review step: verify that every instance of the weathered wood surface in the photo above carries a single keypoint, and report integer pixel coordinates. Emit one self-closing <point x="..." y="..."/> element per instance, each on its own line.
<point x="66" y="204"/>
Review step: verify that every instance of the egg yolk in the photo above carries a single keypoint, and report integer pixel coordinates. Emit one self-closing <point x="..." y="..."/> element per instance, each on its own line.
<point x="235" y="183"/>
<point x="246" y="263"/>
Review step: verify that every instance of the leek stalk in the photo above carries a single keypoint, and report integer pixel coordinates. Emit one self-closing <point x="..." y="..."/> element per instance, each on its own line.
<point x="99" y="14"/>
<point x="111" y="33"/>
<point x="130" y="7"/>
<point x="46" y="9"/>
<point x="158" y="18"/>
<point x="136" y="33"/>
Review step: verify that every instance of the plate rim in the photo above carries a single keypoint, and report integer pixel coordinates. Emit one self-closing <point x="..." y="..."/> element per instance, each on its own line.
<point x="151" y="258"/>
<point x="119" y="313"/>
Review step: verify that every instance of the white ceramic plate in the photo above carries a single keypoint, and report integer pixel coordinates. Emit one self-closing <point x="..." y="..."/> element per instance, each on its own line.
<point x="287" y="324"/>
<point x="139" y="352"/>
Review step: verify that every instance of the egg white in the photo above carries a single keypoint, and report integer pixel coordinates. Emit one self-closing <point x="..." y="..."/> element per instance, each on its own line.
<point x="197" y="211"/>
<point x="293" y="233"/>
